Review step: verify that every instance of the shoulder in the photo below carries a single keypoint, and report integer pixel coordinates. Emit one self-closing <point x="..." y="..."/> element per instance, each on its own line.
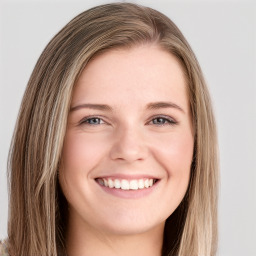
<point x="3" y="248"/>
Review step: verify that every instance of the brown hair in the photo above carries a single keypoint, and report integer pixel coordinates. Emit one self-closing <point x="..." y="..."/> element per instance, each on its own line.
<point x="37" y="206"/>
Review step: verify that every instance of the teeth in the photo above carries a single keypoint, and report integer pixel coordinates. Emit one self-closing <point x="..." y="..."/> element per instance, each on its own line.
<point x="117" y="184"/>
<point x="126" y="184"/>
<point x="134" y="184"/>
<point x="110" y="183"/>
<point x="101" y="182"/>
<point x="105" y="183"/>
<point x="141" y="184"/>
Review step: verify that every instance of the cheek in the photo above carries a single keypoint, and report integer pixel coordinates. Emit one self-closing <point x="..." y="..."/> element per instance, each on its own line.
<point x="82" y="152"/>
<point x="175" y="153"/>
<point x="80" y="156"/>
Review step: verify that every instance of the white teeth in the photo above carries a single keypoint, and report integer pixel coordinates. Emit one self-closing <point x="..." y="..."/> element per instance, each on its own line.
<point x="134" y="184"/>
<point x="141" y="183"/>
<point x="105" y="183"/>
<point x="117" y="184"/>
<point x="110" y="183"/>
<point x="126" y="184"/>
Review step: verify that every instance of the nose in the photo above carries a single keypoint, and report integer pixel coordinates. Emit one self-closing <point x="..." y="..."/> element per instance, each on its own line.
<point x="129" y="146"/>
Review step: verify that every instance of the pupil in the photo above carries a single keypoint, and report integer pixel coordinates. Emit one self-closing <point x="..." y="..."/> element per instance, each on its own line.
<point x="94" y="120"/>
<point x="159" y="120"/>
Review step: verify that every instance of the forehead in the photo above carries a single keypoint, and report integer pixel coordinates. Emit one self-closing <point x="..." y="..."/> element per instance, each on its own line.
<point x="142" y="73"/>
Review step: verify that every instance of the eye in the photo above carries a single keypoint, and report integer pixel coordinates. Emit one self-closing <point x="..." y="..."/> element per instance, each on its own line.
<point x="92" y="121"/>
<point x="162" y="120"/>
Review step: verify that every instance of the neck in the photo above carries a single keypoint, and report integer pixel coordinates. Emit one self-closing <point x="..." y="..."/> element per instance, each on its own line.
<point x="87" y="241"/>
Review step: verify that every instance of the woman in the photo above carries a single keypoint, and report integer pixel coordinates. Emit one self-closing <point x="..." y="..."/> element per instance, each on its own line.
<point x="114" y="150"/>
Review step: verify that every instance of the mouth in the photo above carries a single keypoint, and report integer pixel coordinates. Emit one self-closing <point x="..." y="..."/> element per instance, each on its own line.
<point x="125" y="184"/>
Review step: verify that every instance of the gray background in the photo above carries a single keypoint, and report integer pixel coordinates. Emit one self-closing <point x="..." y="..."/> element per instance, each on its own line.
<point x="222" y="34"/>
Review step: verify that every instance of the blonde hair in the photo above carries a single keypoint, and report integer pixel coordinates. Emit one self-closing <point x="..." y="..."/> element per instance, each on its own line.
<point x="37" y="213"/>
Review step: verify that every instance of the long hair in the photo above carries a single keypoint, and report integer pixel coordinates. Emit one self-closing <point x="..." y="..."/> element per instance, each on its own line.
<point x="37" y="209"/>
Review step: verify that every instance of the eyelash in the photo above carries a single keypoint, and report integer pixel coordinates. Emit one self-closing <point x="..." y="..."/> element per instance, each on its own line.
<point x="86" y="119"/>
<point x="166" y="119"/>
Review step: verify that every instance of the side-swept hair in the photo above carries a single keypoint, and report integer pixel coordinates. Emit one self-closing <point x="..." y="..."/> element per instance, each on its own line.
<point x="37" y="211"/>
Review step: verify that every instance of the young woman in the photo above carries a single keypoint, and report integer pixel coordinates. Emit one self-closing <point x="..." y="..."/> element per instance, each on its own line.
<point x="114" y="151"/>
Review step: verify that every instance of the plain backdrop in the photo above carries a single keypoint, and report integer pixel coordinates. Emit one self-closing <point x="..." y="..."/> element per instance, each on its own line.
<point x="222" y="34"/>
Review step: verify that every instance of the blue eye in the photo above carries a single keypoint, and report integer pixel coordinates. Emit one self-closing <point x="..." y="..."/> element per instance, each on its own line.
<point x="92" y="121"/>
<point x="163" y="121"/>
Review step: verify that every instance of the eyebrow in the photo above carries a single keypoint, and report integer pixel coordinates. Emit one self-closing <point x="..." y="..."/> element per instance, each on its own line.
<point x="102" y="107"/>
<point x="150" y="106"/>
<point x="163" y="104"/>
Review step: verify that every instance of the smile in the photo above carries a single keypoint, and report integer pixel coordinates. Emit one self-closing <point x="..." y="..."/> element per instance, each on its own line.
<point x="124" y="184"/>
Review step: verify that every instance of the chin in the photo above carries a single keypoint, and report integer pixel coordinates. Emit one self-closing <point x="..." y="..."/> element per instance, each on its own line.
<point x="131" y="224"/>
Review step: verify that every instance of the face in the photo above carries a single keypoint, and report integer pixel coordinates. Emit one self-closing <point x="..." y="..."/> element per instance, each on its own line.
<point x="129" y="142"/>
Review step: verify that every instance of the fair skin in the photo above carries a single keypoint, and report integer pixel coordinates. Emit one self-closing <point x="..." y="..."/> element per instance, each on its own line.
<point x="129" y="123"/>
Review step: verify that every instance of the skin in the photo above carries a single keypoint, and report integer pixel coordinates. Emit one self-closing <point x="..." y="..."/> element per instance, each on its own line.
<point x="129" y="141"/>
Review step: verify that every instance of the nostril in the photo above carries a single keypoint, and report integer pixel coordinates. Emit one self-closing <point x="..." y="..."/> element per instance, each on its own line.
<point x="129" y="154"/>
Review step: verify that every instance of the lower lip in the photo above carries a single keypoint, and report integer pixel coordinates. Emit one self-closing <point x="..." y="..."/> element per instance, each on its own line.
<point x="129" y="194"/>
